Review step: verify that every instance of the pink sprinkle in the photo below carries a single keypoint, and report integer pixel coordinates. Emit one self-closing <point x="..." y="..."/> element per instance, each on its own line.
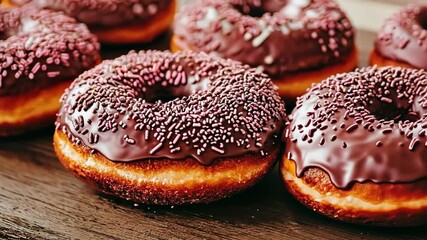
<point x="53" y="74"/>
<point x="220" y="151"/>
<point x="156" y="148"/>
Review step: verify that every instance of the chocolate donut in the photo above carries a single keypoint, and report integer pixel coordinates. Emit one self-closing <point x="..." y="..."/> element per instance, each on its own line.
<point x="356" y="148"/>
<point x="117" y="21"/>
<point x="402" y="40"/>
<point x="296" y="42"/>
<point x="41" y="52"/>
<point x="163" y="128"/>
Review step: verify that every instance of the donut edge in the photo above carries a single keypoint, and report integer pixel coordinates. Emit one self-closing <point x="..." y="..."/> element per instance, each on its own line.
<point x="400" y="217"/>
<point x="139" y="32"/>
<point x="31" y="110"/>
<point x="380" y="61"/>
<point x="104" y="176"/>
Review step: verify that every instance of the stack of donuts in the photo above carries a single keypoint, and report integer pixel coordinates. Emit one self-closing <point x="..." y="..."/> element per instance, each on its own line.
<point x="208" y="119"/>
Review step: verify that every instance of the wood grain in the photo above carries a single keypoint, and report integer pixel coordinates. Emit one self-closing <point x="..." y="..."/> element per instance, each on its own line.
<point x="40" y="200"/>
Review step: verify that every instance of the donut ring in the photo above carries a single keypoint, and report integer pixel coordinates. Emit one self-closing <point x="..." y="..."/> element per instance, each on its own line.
<point x="295" y="42"/>
<point x="41" y="52"/>
<point x="356" y="147"/>
<point x="402" y="39"/>
<point x="119" y="130"/>
<point x="116" y="21"/>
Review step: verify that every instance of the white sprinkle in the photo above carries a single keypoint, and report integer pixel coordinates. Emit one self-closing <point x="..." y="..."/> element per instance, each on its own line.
<point x="334" y="14"/>
<point x="260" y="69"/>
<point x="247" y="36"/>
<point x="29" y="42"/>
<point x="300" y="3"/>
<point x="291" y="11"/>
<point x="285" y="30"/>
<point x="210" y="17"/>
<point x="226" y="27"/>
<point x="268" y="59"/>
<point x="29" y="25"/>
<point x="261" y="38"/>
<point x="312" y="13"/>
<point x="296" y="25"/>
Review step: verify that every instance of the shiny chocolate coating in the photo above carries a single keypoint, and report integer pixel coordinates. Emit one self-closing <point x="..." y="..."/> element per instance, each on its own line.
<point x="157" y="105"/>
<point x="40" y="48"/>
<point x="279" y="37"/>
<point x="403" y="36"/>
<point x="106" y="13"/>
<point x="367" y="125"/>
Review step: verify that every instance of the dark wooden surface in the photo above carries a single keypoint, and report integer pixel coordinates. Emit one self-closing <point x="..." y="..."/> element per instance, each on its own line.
<point x="39" y="199"/>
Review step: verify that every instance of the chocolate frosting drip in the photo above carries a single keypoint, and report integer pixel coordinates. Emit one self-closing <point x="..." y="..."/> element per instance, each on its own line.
<point x="106" y="13"/>
<point x="278" y="36"/>
<point x="123" y="108"/>
<point x="403" y="37"/>
<point x="367" y="125"/>
<point x="40" y="48"/>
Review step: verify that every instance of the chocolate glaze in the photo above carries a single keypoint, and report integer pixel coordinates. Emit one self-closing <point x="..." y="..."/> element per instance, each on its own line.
<point x="283" y="37"/>
<point x="106" y="13"/>
<point x="40" y="48"/>
<point x="219" y="108"/>
<point x="367" y="125"/>
<point x="403" y="37"/>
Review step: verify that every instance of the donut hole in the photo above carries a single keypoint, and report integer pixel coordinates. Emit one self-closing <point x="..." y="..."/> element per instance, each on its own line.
<point x="171" y="92"/>
<point x="165" y="95"/>
<point x="255" y="12"/>
<point x="422" y="18"/>
<point x="396" y="111"/>
<point x="389" y="112"/>
<point x="162" y="98"/>
<point x="256" y="8"/>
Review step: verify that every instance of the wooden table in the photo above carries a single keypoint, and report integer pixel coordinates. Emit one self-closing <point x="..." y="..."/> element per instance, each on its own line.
<point x="39" y="199"/>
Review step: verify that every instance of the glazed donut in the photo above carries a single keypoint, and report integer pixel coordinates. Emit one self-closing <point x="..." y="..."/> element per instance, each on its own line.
<point x="41" y="53"/>
<point x="402" y="40"/>
<point x="296" y="42"/>
<point x="117" y="21"/>
<point x="356" y="147"/>
<point x="162" y="128"/>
